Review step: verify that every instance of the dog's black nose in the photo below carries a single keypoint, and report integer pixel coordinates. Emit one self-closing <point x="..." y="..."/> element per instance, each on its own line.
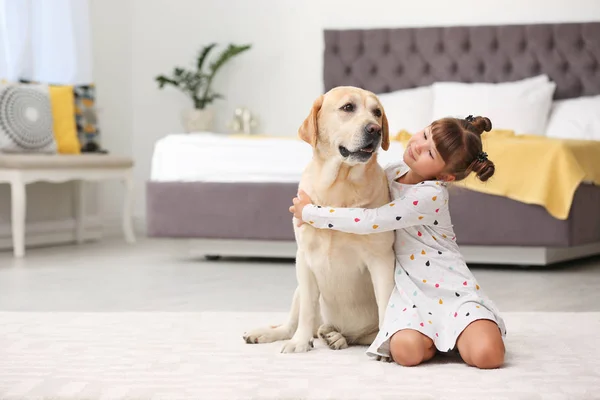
<point x="372" y="129"/>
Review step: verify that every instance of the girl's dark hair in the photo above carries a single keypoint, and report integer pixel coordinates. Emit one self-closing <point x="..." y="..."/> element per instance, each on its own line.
<point x="458" y="141"/>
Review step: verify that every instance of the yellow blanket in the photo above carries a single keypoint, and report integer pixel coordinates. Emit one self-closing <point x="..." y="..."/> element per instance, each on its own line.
<point x="535" y="169"/>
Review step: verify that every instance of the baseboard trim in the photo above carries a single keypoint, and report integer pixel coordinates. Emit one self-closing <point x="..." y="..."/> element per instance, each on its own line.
<point x="44" y="233"/>
<point x="496" y="255"/>
<point x="47" y="233"/>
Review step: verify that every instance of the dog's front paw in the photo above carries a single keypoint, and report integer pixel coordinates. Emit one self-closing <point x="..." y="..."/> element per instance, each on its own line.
<point x="334" y="339"/>
<point x="298" y="346"/>
<point x="267" y="335"/>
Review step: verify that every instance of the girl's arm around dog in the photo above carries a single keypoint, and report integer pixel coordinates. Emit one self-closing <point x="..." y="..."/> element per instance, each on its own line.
<point x="420" y="205"/>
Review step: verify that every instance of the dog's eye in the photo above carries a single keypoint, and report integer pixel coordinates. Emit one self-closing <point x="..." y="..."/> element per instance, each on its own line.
<point x="377" y="112"/>
<point x="349" y="107"/>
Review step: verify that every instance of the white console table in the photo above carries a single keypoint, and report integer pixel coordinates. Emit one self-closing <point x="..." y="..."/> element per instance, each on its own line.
<point x="21" y="169"/>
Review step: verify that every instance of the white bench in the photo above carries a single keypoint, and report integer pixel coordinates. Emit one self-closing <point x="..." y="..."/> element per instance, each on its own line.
<point x="22" y="169"/>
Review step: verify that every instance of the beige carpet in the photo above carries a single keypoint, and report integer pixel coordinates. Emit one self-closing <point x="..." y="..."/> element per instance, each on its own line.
<point x="202" y="356"/>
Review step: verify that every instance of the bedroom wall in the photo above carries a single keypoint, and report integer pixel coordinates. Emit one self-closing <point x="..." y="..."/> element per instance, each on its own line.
<point x="113" y="74"/>
<point x="278" y="79"/>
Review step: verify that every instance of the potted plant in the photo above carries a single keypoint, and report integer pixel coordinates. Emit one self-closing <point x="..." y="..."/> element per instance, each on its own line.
<point x="197" y="84"/>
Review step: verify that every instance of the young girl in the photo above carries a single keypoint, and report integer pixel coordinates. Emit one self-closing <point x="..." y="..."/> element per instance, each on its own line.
<point x="436" y="303"/>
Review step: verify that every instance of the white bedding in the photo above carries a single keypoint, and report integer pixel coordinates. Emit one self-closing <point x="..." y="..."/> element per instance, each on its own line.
<point x="223" y="158"/>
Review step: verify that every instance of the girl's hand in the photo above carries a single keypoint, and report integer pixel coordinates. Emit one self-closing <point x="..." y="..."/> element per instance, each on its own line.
<point x="299" y="203"/>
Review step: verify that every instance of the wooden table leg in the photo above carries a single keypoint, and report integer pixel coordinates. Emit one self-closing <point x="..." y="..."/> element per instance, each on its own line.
<point x="79" y="210"/>
<point x="128" y="208"/>
<point x="18" y="212"/>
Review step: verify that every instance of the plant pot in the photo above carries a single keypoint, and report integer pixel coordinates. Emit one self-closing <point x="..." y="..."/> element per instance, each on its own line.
<point x="196" y="120"/>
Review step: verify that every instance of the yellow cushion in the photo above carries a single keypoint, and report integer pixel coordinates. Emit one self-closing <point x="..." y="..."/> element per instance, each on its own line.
<point x="63" y="114"/>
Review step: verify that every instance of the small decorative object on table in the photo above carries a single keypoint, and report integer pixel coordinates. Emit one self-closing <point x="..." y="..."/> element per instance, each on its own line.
<point x="243" y="121"/>
<point x="197" y="85"/>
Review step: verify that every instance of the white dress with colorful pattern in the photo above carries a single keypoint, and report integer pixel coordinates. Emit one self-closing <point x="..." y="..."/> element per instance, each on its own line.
<point x="435" y="293"/>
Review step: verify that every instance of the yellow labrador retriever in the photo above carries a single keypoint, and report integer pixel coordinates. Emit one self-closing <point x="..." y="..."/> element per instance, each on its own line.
<point x="344" y="280"/>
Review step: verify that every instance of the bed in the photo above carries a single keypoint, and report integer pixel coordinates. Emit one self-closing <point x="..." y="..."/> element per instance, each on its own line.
<point x="186" y="200"/>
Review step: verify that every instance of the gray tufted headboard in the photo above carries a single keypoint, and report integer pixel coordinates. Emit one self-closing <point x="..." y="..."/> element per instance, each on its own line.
<point x="384" y="60"/>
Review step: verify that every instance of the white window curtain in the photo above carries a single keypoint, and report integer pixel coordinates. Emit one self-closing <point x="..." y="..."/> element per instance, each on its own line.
<point x="46" y="41"/>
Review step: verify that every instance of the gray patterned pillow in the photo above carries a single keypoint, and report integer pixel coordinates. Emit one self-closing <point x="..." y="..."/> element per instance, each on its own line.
<point x="26" y="119"/>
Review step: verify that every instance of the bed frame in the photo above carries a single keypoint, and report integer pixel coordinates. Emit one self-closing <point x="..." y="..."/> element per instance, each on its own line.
<point x="384" y="60"/>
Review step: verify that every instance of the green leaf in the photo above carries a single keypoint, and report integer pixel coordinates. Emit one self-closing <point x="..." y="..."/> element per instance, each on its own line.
<point x="231" y="51"/>
<point x="203" y="54"/>
<point x="163" y="80"/>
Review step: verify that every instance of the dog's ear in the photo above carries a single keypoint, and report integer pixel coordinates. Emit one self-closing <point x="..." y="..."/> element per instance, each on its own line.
<point x="309" y="128"/>
<point x="385" y="132"/>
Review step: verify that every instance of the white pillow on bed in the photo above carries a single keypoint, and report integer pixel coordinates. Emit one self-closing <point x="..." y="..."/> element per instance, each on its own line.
<point x="408" y="109"/>
<point x="577" y="118"/>
<point x="522" y="106"/>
